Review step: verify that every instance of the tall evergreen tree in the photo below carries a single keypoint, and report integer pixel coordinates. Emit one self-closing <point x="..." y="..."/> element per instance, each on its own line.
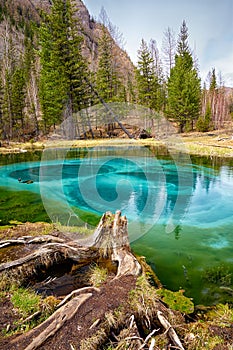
<point x="63" y="87"/>
<point x="184" y="90"/>
<point x="51" y="84"/>
<point x="147" y="78"/>
<point x="108" y="83"/>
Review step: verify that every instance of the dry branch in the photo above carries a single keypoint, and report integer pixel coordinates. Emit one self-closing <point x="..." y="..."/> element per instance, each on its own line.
<point x="31" y="240"/>
<point x="170" y="330"/>
<point x="78" y="292"/>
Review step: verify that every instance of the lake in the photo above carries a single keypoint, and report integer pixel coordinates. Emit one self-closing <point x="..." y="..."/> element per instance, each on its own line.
<point x="179" y="208"/>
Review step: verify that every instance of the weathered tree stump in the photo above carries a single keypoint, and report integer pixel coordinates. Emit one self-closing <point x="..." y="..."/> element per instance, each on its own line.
<point x="109" y="242"/>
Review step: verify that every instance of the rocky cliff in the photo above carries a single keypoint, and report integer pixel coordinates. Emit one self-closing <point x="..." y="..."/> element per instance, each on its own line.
<point x="18" y="14"/>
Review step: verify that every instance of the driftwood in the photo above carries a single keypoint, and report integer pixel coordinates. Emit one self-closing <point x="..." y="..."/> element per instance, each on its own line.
<point x="57" y="320"/>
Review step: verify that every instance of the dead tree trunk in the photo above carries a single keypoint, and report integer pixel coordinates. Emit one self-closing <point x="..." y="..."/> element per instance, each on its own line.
<point x="110" y="241"/>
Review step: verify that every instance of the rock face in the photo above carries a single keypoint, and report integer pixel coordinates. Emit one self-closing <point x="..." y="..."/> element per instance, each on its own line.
<point x="21" y="12"/>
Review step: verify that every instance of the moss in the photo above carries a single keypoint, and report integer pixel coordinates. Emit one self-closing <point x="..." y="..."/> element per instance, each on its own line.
<point x="218" y="275"/>
<point x="21" y="206"/>
<point x="26" y="206"/>
<point x="176" y="300"/>
<point x="221" y="313"/>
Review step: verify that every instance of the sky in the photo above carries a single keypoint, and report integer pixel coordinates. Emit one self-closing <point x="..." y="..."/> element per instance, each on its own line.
<point x="209" y="22"/>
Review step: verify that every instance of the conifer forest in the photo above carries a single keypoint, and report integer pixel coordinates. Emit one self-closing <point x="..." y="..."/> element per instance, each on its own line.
<point x="56" y="60"/>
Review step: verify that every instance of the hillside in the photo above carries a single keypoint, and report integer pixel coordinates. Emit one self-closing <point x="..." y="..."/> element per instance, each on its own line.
<point x="21" y="13"/>
<point x="26" y="111"/>
<point x="56" y="61"/>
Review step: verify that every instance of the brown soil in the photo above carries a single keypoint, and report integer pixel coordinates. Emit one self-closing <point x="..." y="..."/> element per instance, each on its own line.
<point x="26" y="229"/>
<point x="112" y="295"/>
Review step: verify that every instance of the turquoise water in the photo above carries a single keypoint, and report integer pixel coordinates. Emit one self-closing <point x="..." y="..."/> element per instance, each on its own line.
<point x="180" y="210"/>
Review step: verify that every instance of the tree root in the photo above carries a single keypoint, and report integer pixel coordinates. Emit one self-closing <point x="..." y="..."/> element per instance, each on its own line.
<point x="56" y="321"/>
<point x="170" y="330"/>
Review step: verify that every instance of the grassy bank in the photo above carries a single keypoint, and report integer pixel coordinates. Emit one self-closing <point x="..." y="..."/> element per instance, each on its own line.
<point x="216" y="143"/>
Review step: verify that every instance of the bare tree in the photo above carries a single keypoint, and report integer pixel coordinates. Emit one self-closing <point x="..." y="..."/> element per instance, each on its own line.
<point x="114" y="31"/>
<point x="169" y="50"/>
<point x="215" y="96"/>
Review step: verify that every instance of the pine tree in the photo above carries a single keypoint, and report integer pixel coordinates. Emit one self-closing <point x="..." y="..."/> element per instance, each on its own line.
<point x="108" y="82"/>
<point x="147" y="79"/>
<point x="63" y="87"/>
<point x="184" y="90"/>
<point x="13" y="82"/>
<point x="51" y="87"/>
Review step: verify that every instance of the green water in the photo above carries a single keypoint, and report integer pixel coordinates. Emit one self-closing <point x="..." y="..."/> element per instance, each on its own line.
<point x="180" y="211"/>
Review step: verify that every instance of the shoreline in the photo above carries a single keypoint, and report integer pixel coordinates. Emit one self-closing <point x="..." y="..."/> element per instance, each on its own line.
<point x="214" y="144"/>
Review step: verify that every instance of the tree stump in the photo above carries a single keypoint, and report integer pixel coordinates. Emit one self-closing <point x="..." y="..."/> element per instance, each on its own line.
<point x="109" y="241"/>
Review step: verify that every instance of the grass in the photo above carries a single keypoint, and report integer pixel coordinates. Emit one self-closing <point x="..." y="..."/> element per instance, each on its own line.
<point x="200" y="335"/>
<point x="196" y="143"/>
<point x="26" y="303"/>
<point x="143" y="299"/>
<point x="82" y="230"/>
<point x="93" y="343"/>
<point x="15" y="147"/>
<point x="217" y="144"/>
<point x="207" y="150"/>
<point x="98" y="275"/>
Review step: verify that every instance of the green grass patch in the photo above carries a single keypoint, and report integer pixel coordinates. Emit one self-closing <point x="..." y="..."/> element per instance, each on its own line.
<point x="25" y="301"/>
<point x="31" y="308"/>
<point x="98" y="275"/>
